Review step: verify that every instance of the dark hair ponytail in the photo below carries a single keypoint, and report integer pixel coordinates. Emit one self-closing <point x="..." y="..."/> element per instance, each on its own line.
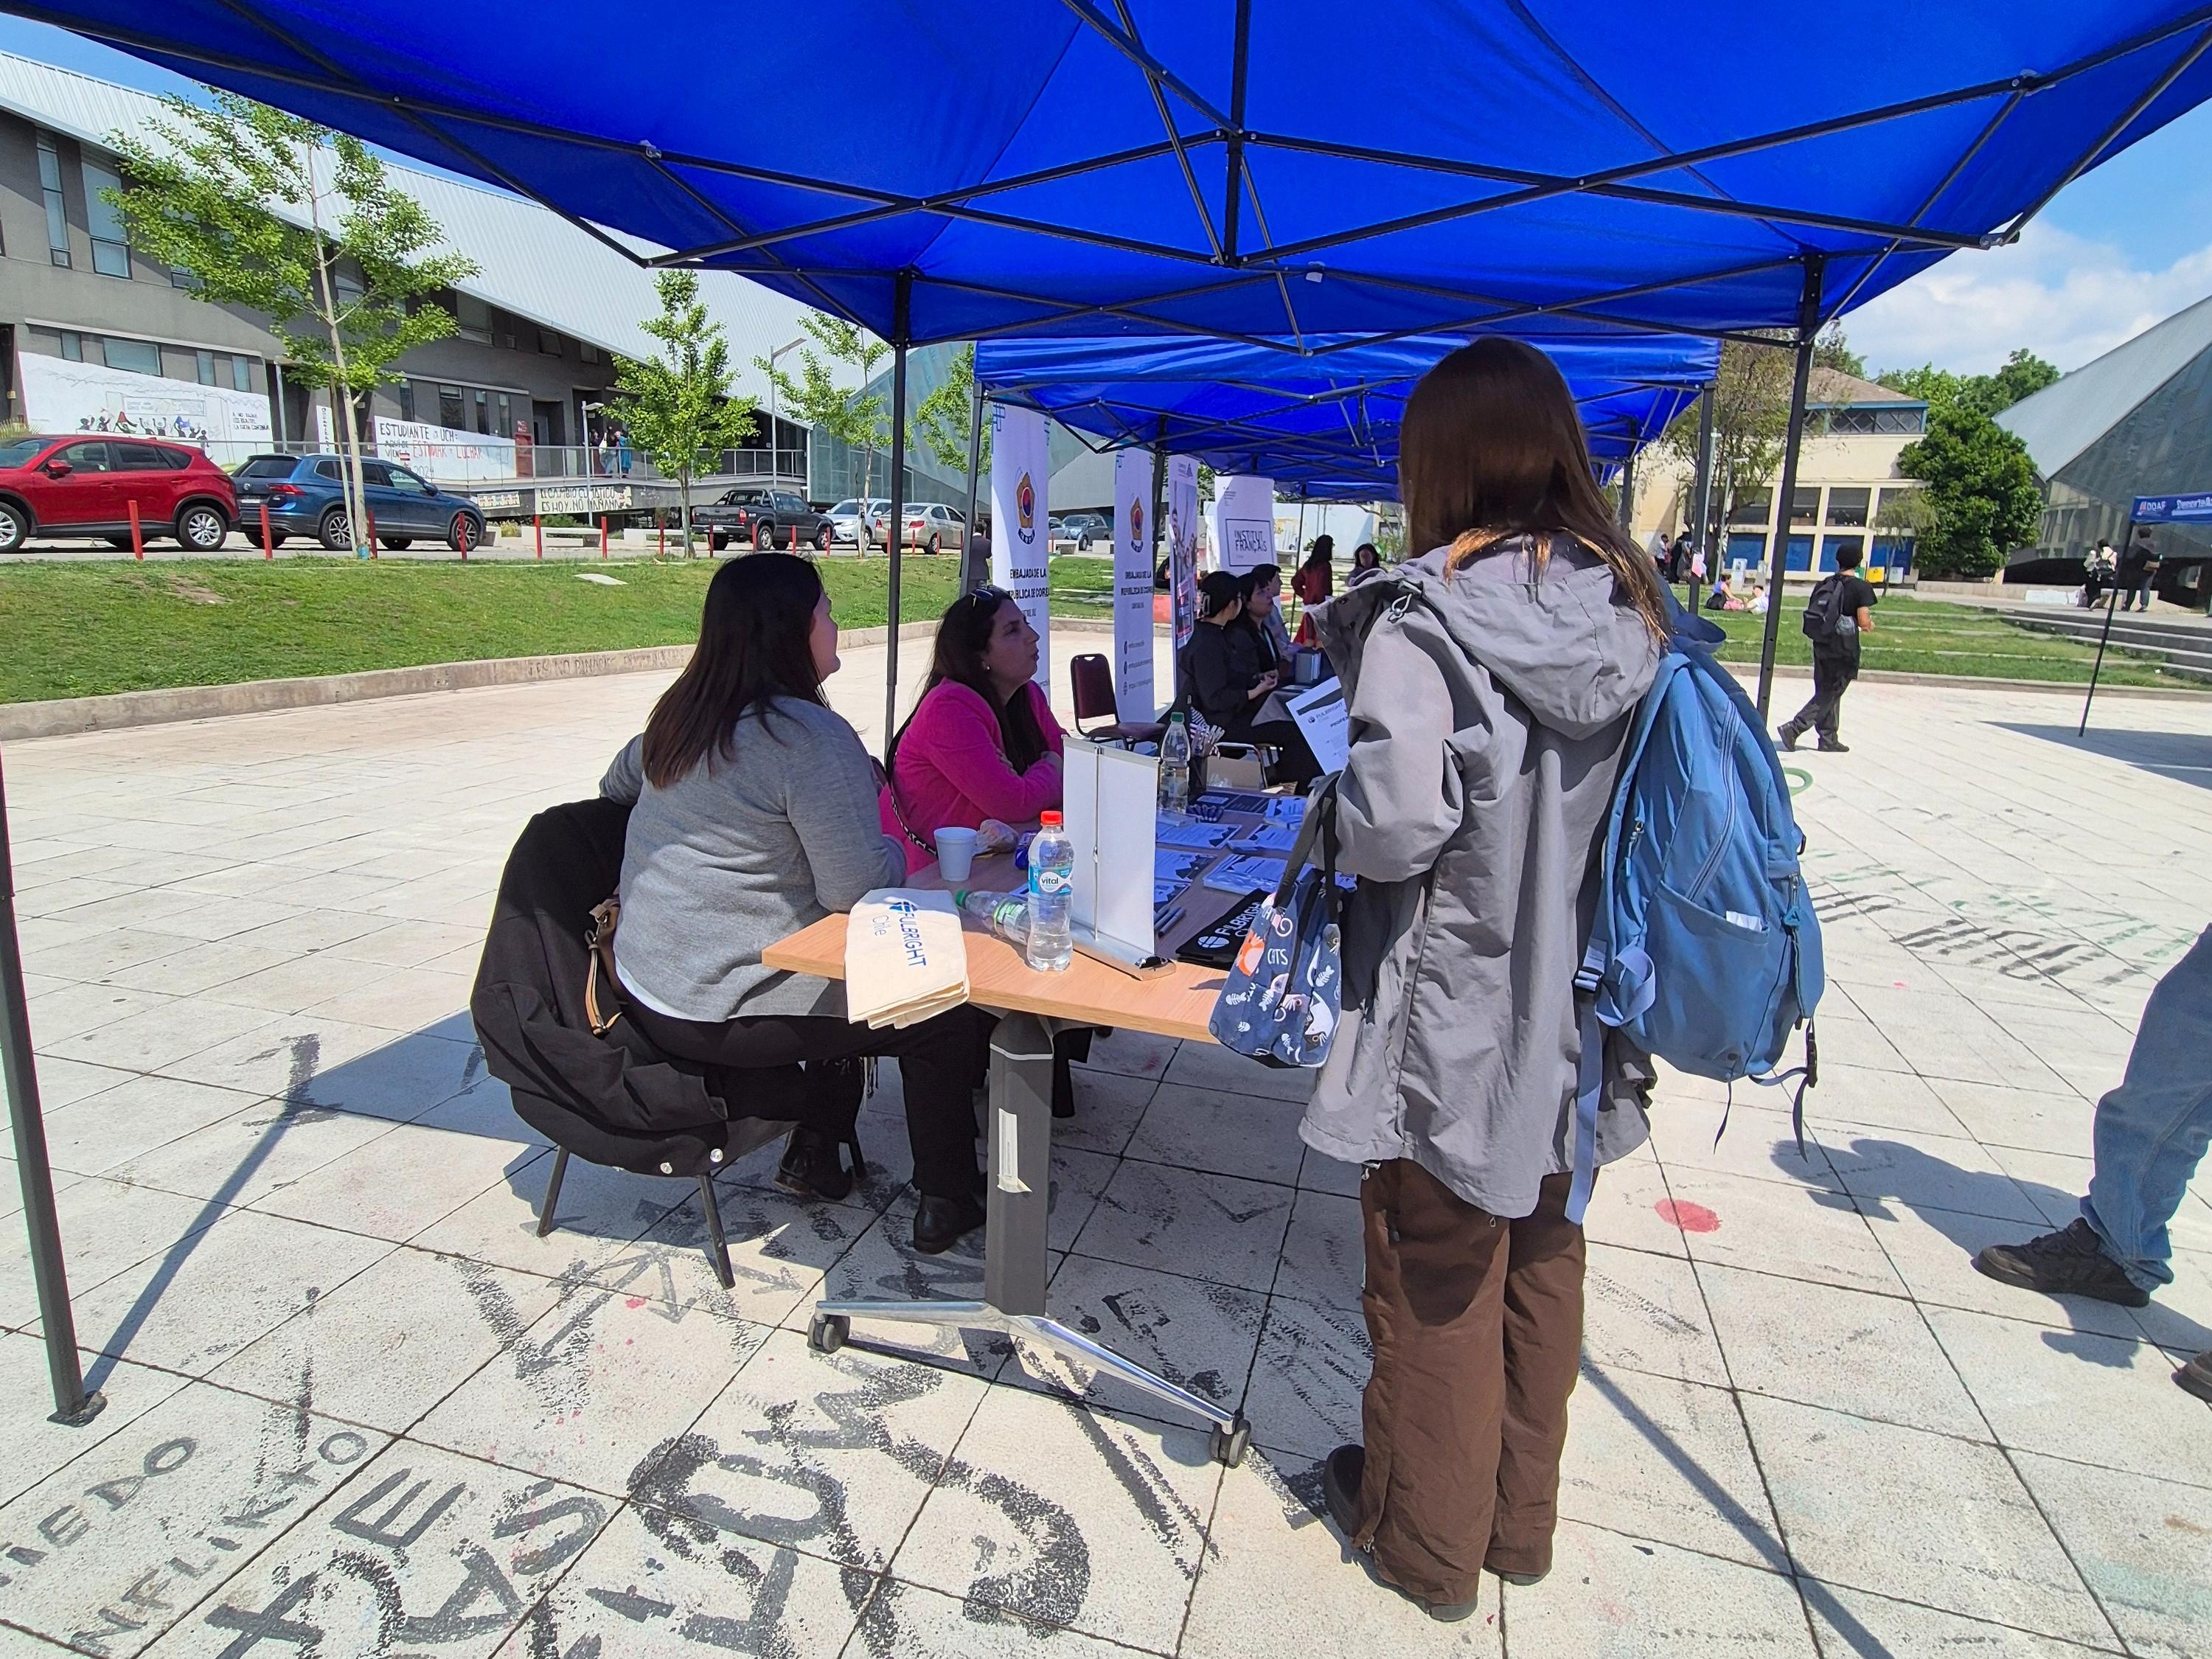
<point x="755" y="643"/>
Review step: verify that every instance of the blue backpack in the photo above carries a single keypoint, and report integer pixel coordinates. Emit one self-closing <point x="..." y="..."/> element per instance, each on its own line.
<point x="1704" y="952"/>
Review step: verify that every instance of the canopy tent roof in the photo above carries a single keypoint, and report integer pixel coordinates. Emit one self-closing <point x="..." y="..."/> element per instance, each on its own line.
<point x="1324" y="424"/>
<point x="1239" y="168"/>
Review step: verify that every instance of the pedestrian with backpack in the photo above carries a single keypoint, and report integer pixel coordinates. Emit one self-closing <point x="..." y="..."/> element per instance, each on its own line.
<point x="1491" y="684"/>
<point x="1839" y="611"/>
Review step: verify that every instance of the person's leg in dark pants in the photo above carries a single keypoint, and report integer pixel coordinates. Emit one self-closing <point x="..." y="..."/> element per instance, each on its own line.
<point x="1431" y="1416"/>
<point x="1295" y="764"/>
<point x="1543" y="1355"/>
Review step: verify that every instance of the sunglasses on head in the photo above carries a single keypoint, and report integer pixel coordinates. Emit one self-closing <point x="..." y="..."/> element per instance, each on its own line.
<point x="993" y="595"/>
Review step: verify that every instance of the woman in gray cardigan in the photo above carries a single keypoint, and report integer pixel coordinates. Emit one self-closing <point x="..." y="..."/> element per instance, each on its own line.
<point x="754" y="814"/>
<point x="1492" y="685"/>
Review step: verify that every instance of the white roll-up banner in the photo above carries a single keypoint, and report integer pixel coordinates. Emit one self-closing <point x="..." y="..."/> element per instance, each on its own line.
<point x="1244" y="522"/>
<point x="1182" y="544"/>
<point x="1021" y="555"/>
<point x="1133" y="584"/>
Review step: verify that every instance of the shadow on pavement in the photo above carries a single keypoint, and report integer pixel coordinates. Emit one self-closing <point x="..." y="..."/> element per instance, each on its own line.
<point x="2184" y="756"/>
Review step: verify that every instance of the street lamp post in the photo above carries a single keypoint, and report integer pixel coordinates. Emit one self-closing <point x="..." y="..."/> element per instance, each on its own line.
<point x="774" y="436"/>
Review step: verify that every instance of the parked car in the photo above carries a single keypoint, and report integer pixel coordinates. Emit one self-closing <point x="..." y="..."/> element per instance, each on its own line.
<point x="934" y="528"/>
<point x="845" y="520"/>
<point x="74" y="486"/>
<point x="1079" y="530"/>
<point x="764" y="517"/>
<point x="305" y="496"/>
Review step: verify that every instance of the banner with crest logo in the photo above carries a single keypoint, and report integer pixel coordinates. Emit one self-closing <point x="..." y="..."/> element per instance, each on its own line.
<point x="1021" y="544"/>
<point x="1132" y="585"/>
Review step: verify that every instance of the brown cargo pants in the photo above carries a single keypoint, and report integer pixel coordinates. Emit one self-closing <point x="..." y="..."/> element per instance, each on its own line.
<point x="1477" y="1324"/>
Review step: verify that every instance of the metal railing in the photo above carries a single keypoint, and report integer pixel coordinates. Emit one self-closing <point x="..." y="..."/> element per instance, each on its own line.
<point x="492" y="462"/>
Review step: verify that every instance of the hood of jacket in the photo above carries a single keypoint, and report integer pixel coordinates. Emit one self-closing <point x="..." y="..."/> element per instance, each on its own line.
<point x="1553" y="635"/>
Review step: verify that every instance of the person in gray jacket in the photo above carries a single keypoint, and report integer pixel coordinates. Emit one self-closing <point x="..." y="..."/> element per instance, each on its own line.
<point x="754" y="814"/>
<point x="1492" y="685"/>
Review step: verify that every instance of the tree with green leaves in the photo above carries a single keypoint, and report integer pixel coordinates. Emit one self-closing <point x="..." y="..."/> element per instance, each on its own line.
<point x="941" y="420"/>
<point x="1981" y="494"/>
<point x="1751" y="423"/>
<point x="1833" y="351"/>
<point x="349" y="292"/>
<point x="815" y="396"/>
<point x="2023" y="375"/>
<point x="677" y="405"/>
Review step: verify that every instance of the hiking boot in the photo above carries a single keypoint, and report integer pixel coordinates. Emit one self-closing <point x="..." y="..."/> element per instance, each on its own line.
<point x="1835" y="748"/>
<point x="2197" y="1376"/>
<point x="1340" y="1488"/>
<point x="1787" y="738"/>
<point x="2068" y="1262"/>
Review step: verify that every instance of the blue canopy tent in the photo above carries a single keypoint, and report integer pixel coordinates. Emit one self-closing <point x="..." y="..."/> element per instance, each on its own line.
<point x="1170" y="166"/>
<point x="1323" y="425"/>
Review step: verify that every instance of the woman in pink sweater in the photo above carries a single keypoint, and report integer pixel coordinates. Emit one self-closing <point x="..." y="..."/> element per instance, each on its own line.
<point x="982" y="742"/>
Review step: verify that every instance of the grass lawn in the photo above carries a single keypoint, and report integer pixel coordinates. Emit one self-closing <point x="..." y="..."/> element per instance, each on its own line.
<point x="79" y="630"/>
<point x="1926" y="636"/>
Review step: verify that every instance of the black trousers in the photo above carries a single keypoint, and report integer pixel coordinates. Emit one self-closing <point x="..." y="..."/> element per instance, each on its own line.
<point x="936" y="1059"/>
<point x="1833" y="674"/>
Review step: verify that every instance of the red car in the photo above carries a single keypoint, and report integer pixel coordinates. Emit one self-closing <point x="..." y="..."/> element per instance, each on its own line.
<point x="83" y="486"/>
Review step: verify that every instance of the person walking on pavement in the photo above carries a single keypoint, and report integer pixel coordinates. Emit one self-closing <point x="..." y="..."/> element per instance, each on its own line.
<point x="1492" y="683"/>
<point x="1840" y="609"/>
<point x="2102" y="571"/>
<point x="2137" y="566"/>
<point x="2148" y="1137"/>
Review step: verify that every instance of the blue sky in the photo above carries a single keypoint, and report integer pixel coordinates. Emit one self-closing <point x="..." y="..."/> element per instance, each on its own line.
<point x="2118" y="250"/>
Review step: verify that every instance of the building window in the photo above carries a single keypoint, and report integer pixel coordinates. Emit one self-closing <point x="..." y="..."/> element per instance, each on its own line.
<point x="483" y="413"/>
<point x="1805" y="505"/>
<point x="586" y="352"/>
<point x="548" y="342"/>
<point x="1831" y="546"/>
<point x="139" y="356"/>
<point x="505" y="428"/>
<point x="1888" y="496"/>
<point x="50" y="186"/>
<point x="1753" y="506"/>
<point x="474" y="318"/>
<point x="111" y="241"/>
<point x="407" y="400"/>
<point x="205" y="364"/>
<point x="1848" y="506"/>
<point x="180" y="277"/>
<point x="72" y="346"/>
<point x="349" y="290"/>
<point x="241" y="376"/>
<point x="452" y="410"/>
<point x="1901" y="423"/>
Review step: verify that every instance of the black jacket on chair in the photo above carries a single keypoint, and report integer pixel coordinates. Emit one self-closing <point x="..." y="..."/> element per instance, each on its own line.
<point x="613" y="1100"/>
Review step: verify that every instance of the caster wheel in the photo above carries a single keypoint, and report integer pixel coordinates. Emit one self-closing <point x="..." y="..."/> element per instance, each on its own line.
<point x="826" y="1333"/>
<point x="1229" y="1445"/>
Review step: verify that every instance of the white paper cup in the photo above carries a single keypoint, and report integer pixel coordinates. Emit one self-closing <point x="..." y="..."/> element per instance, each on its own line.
<point x="956" y="851"/>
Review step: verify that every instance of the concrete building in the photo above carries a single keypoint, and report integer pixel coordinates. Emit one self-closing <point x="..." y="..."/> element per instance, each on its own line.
<point x="2136" y="422"/>
<point x="92" y="330"/>
<point x="1847" y="473"/>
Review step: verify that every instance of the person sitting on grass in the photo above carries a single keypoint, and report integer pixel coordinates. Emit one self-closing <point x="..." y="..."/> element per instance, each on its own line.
<point x="753" y="815"/>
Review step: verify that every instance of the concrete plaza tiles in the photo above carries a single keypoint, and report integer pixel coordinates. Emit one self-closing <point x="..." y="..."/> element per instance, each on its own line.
<point x="358" y="1406"/>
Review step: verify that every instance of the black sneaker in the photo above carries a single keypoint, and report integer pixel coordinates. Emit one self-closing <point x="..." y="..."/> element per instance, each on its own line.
<point x="1835" y="748"/>
<point x="1787" y="738"/>
<point x="1340" y="1485"/>
<point x="2068" y="1262"/>
<point x="2197" y="1376"/>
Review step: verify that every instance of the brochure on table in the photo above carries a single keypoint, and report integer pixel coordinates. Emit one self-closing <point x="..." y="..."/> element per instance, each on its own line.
<point x="1110" y="807"/>
<point x="1325" y="723"/>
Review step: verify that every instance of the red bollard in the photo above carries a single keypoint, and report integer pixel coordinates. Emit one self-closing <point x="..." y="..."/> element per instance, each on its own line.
<point x="137" y="537"/>
<point x="602" y="534"/>
<point x="267" y="540"/>
<point x="538" y="526"/>
<point x="369" y="513"/>
<point x="660" y="527"/>
<point x="795" y="539"/>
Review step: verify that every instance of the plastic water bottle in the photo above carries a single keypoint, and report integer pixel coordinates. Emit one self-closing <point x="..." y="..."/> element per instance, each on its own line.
<point x="1007" y="914"/>
<point x="1050" y="946"/>
<point x="1175" y="765"/>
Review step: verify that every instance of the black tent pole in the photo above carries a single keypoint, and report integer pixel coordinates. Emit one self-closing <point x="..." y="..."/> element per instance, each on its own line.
<point x="72" y="1404"/>
<point x="2112" y="598"/>
<point x="902" y="326"/>
<point x="973" y="572"/>
<point x="1809" y="325"/>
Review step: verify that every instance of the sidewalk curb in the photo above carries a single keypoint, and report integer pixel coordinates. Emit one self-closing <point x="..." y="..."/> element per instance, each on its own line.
<point x="64" y="716"/>
<point x="1748" y="672"/>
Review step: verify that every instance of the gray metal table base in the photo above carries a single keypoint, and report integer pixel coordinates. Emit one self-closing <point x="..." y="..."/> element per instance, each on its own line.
<point x="1015" y="1265"/>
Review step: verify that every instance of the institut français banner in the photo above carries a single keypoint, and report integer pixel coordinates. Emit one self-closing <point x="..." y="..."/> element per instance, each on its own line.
<point x="1021" y="546"/>
<point x="1133" y="584"/>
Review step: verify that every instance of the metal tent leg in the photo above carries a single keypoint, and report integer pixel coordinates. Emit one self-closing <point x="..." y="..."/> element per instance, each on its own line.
<point x="1808" y="326"/>
<point x="718" y="1247"/>
<point x="552" y="1191"/>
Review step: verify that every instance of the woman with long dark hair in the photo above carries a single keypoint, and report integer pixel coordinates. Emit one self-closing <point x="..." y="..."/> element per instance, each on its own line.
<point x="1491" y="685"/>
<point x="982" y="742"/>
<point x="754" y="814"/>
<point x="1366" y="565"/>
<point x="1313" y="583"/>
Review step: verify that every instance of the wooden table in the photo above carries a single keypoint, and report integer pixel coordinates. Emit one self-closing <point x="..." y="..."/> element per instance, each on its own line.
<point x="1031" y="1006"/>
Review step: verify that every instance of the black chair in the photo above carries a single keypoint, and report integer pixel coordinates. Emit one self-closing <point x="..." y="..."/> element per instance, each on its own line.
<point x="1092" y="677"/>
